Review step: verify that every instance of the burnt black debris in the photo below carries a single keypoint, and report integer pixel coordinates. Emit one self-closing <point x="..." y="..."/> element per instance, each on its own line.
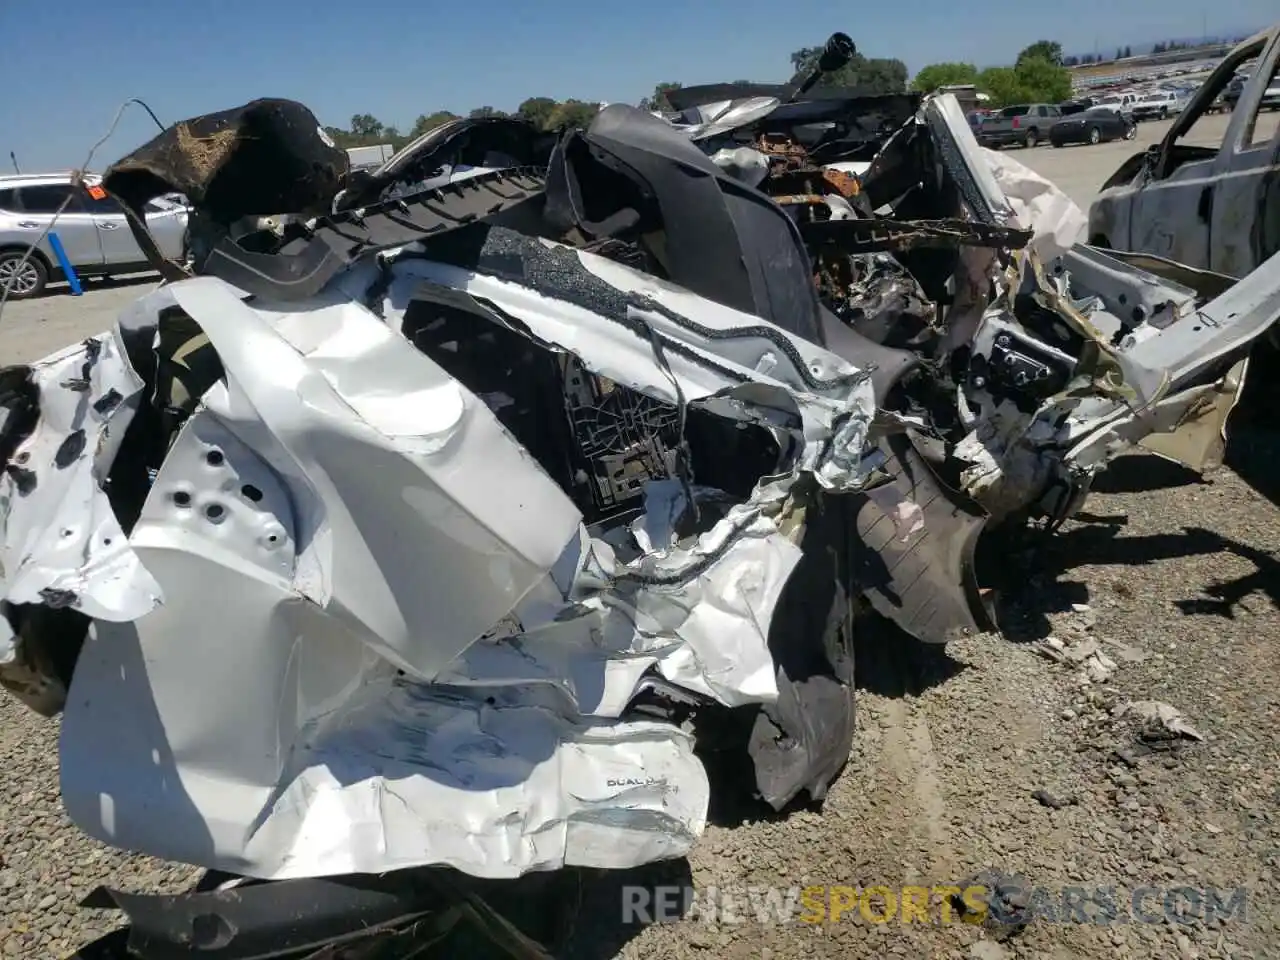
<point x="23" y="478"/>
<point x="107" y="402"/>
<point x="70" y="449"/>
<point x="56" y="599"/>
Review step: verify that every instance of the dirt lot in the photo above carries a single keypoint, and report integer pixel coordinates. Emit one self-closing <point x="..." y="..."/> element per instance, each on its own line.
<point x="1179" y="587"/>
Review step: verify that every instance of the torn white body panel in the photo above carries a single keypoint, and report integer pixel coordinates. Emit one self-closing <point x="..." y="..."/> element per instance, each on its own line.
<point x="374" y="774"/>
<point x="387" y="637"/>
<point x="392" y="462"/>
<point x="692" y="633"/>
<point x="724" y="116"/>
<point x="61" y="544"/>
<point x="1056" y="222"/>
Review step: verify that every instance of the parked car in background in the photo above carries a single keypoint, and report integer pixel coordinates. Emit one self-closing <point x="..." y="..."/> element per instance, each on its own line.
<point x="1208" y="207"/>
<point x="1232" y="92"/>
<point x="92" y="229"/>
<point x="1271" y="94"/>
<point x="1024" y="123"/>
<point x="1095" y="125"/>
<point x="370" y="158"/>
<point x="1157" y="105"/>
<point x="975" y="118"/>
<point x="1119" y="102"/>
<point x="1075" y="106"/>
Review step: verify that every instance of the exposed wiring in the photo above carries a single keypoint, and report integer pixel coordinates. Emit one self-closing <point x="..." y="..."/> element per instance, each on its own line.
<point x="150" y="112"/>
<point x="77" y="180"/>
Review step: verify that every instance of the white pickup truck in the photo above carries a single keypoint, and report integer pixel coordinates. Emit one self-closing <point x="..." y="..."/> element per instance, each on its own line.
<point x="1208" y="207"/>
<point x="1121" y="103"/>
<point x="1157" y="105"/>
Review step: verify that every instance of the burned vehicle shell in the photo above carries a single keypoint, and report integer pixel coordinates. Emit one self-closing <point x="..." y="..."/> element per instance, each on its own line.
<point x="1208" y="207"/>
<point x="538" y="468"/>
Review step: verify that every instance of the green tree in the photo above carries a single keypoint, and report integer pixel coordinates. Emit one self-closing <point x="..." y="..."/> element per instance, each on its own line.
<point x="1031" y="81"/>
<point x="1042" y="81"/>
<point x="575" y="114"/>
<point x="430" y="121"/>
<point x="480" y="113"/>
<point x="937" y="75"/>
<point x="341" y="138"/>
<point x="874" y="75"/>
<point x="365" y="125"/>
<point x="659" y="99"/>
<point x="1041" y="50"/>
<point x="1001" y="83"/>
<point x="538" y="111"/>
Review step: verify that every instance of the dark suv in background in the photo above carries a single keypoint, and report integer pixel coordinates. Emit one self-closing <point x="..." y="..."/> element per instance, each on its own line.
<point x="1024" y="123"/>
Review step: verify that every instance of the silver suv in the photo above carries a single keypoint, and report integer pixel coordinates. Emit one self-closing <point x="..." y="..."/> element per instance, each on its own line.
<point x="92" y="228"/>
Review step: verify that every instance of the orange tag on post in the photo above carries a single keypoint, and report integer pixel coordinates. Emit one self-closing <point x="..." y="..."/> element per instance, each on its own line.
<point x="97" y="192"/>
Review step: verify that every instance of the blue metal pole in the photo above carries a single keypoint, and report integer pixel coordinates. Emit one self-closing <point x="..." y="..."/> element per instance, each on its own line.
<point x="64" y="261"/>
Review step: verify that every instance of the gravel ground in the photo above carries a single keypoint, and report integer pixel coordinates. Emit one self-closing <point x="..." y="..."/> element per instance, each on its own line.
<point x="1179" y="587"/>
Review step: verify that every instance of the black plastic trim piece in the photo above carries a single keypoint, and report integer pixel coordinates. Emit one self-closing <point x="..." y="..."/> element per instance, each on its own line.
<point x="925" y="582"/>
<point x="336" y="241"/>
<point x="259" y="920"/>
<point x="881" y="235"/>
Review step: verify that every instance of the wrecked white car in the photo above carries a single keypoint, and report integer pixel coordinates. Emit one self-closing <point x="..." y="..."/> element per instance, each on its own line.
<point x="444" y="521"/>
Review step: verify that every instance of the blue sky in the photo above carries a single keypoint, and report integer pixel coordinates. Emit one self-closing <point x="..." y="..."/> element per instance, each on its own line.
<point x="67" y="65"/>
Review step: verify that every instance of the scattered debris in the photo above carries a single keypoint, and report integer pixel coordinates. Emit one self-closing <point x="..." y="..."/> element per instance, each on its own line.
<point x="1007" y="898"/>
<point x="1159" y="729"/>
<point x="1052" y="801"/>
<point x="1158" y="716"/>
<point x="1127" y="652"/>
<point x="1098" y="667"/>
<point x="1081" y="651"/>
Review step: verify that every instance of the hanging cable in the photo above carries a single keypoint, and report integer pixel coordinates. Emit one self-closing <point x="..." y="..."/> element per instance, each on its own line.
<point x="77" y="180"/>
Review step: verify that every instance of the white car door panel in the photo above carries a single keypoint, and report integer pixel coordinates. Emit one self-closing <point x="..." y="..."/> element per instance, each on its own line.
<point x="119" y="248"/>
<point x="74" y="226"/>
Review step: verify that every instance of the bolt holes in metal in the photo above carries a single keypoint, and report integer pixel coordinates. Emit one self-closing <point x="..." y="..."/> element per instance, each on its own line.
<point x="181" y="498"/>
<point x="251" y="493"/>
<point x="215" y="458"/>
<point x="214" y="512"/>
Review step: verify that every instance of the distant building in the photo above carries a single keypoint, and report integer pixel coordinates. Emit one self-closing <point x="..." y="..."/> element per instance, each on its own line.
<point x="366" y="157"/>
